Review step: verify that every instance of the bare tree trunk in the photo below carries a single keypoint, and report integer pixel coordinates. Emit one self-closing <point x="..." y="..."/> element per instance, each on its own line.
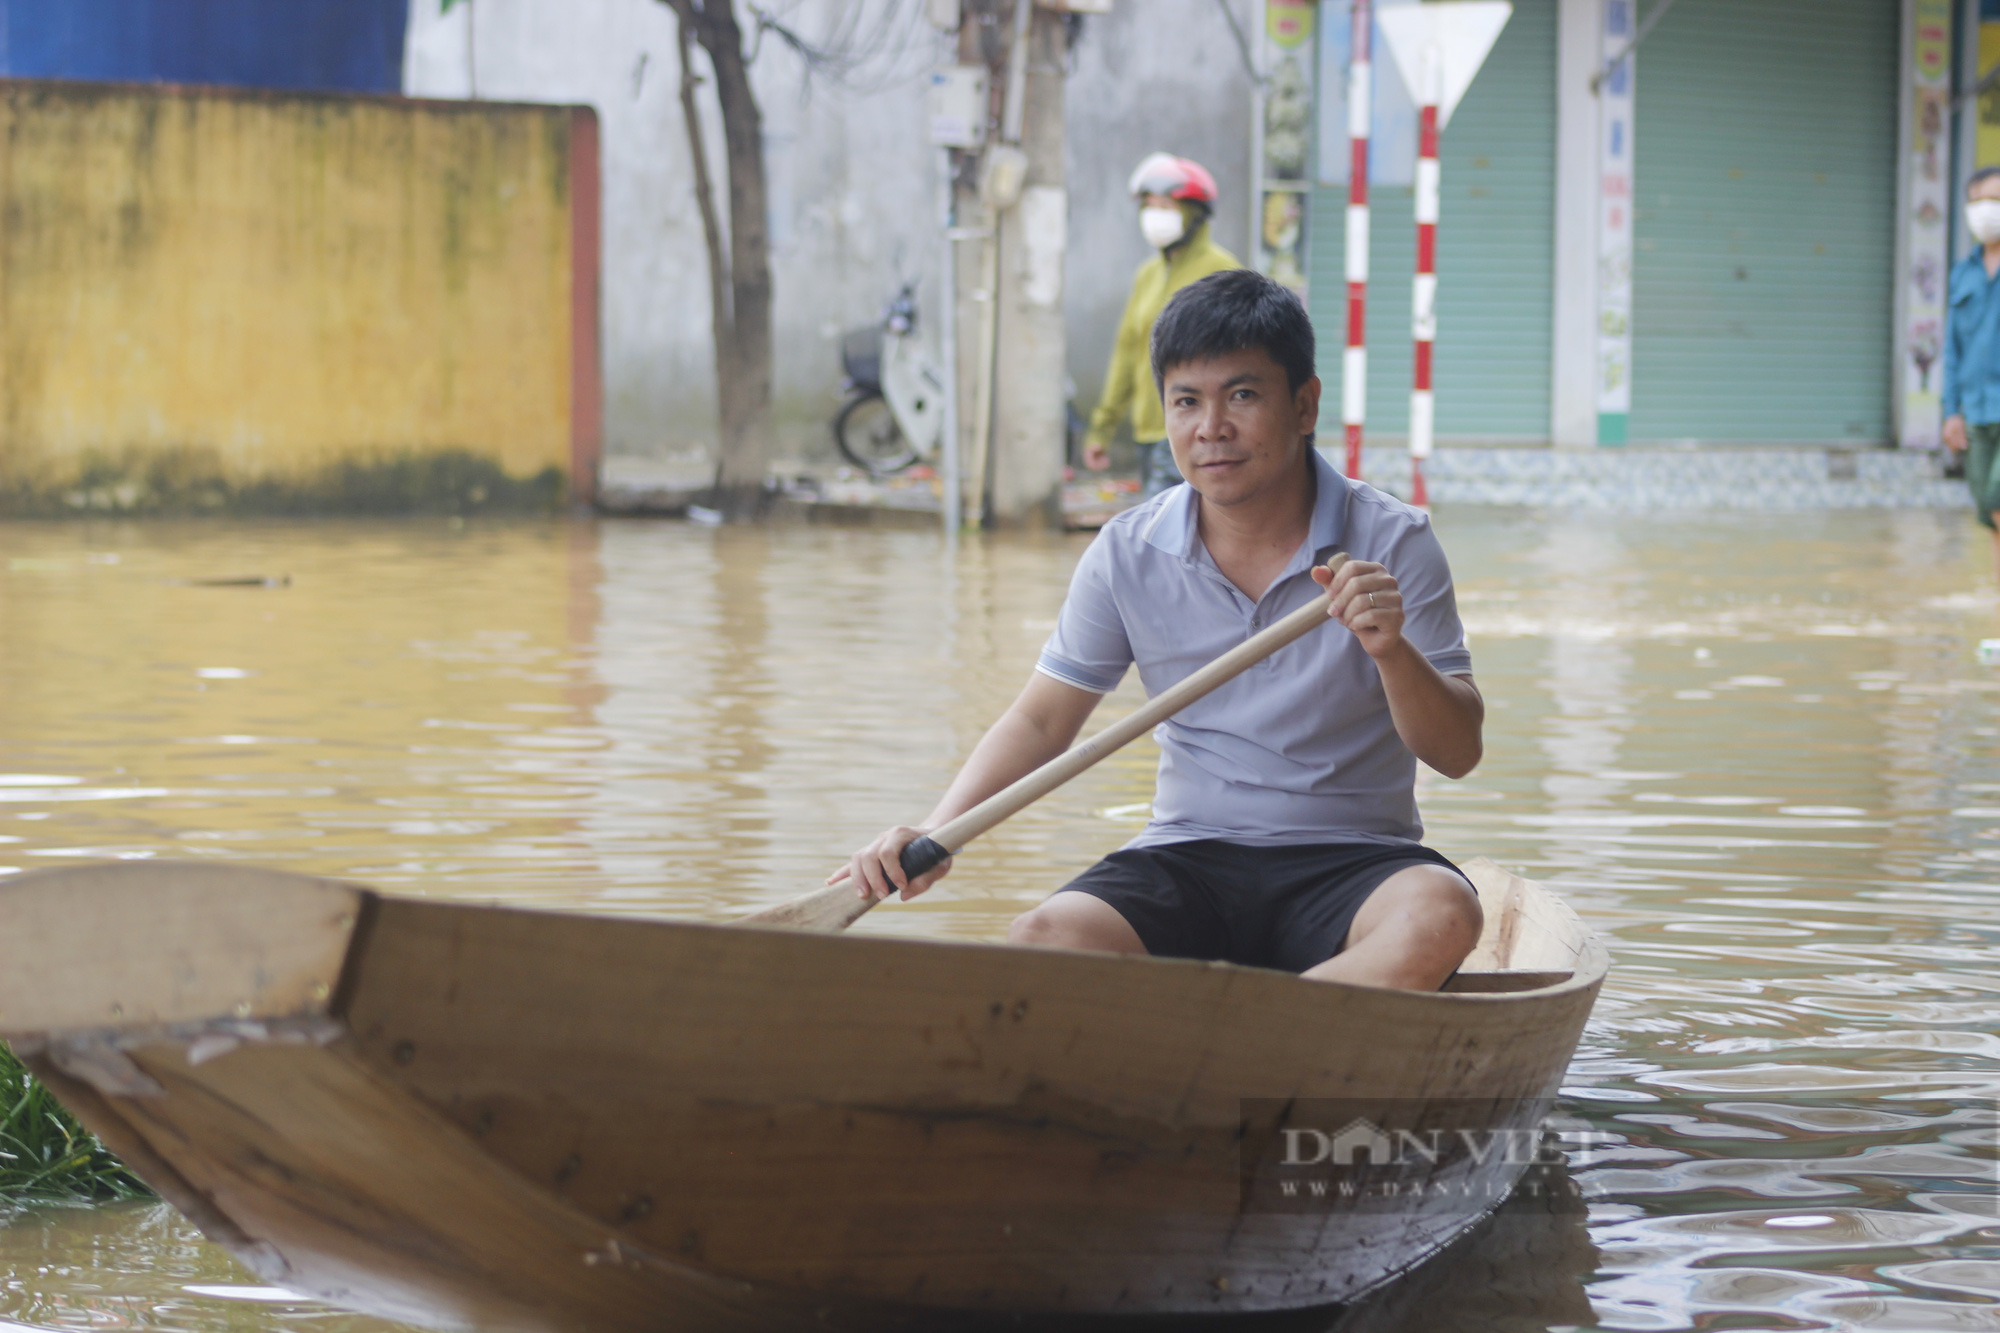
<point x="745" y="457"/>
<point x="711" y="226"/>
<point x="741" y="308"/>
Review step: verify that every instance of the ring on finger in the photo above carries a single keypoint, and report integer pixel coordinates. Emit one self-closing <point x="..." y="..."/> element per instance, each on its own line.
<point x="1371" y="601"/>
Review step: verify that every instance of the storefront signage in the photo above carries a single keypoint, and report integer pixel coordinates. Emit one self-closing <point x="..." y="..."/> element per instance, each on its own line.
<point x="1926" y="221"/>
<point x="1614" y="223"/>
<point x="1289" y="22"/>
<point x="1285" y="141"/>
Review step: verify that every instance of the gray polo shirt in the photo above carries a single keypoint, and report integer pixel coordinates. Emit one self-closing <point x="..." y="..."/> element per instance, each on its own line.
<point x="1300" y="748"/>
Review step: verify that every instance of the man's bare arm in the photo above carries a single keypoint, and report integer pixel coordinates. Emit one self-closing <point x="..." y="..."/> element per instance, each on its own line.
<point x="1439" y="717"/>
<point x="1040" y="724"/>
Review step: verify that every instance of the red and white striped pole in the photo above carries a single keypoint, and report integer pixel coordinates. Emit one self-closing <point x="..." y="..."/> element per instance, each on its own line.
<point x="1423" y="303"/>
<point x="1360" y="110"/>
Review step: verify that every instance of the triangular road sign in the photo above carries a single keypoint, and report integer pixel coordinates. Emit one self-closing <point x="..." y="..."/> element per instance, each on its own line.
<point x="1462" y="31"/>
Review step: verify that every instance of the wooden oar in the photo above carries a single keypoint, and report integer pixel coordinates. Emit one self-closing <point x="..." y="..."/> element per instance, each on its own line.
<point x="839" y="906"/>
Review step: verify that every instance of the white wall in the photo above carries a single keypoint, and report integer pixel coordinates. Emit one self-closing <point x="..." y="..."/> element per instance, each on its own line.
<point x="853" y="178"/>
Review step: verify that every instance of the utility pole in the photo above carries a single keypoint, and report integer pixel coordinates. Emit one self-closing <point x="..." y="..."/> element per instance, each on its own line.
<point x="1010" y="335"/>
<point x="970" y="237"/>
<point x="1029" y="421"/>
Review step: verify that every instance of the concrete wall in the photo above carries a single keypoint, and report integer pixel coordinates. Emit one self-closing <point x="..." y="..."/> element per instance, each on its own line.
<point x="1152" y="75"/>
<point x="853" y="189"/>
<point x="854" y="181"/>
<point x="268" y="286"/>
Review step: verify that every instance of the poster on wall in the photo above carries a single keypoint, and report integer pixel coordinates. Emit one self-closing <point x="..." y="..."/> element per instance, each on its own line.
<point x="1986" y="134"/>
<point x="1286" y="140"/>
<point x="1926" y="220"/>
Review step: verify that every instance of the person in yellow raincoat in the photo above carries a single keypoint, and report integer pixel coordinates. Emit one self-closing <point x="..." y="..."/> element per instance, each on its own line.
<point x="1176" y="197"/>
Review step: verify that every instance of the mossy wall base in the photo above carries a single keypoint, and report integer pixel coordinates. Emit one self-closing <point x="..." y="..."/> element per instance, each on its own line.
<point x="187" y="481"/>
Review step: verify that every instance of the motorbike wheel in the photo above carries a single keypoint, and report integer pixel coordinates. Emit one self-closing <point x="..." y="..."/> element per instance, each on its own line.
<point x="867" y="434"/>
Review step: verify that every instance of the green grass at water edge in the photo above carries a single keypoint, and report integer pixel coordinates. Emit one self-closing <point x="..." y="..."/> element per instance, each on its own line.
<point x="45" y="1154"/>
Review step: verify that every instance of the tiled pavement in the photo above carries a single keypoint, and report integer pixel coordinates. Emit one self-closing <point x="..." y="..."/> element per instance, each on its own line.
<point x="1600" y="479"/>
<point x="1691" y="478"/>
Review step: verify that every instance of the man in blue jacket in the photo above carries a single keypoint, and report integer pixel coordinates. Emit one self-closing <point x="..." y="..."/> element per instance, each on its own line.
<point x="1972" y="353"/>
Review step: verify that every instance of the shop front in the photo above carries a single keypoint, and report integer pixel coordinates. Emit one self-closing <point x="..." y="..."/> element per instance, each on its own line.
<point x="1707" y="222"/>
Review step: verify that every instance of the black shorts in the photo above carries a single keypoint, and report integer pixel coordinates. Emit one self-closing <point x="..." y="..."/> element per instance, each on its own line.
<point x="1284" y="907"/>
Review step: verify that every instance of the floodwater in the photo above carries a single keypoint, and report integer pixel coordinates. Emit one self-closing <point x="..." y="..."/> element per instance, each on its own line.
<point x="1756" y="751"/>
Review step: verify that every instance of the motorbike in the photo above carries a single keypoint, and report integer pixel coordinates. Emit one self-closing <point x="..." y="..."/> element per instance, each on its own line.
<point x="893" y="416"/>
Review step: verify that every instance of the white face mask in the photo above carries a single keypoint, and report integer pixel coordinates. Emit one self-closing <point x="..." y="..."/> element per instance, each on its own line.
<point x="1164" y="226"/>
<point x="1983" y="216"/>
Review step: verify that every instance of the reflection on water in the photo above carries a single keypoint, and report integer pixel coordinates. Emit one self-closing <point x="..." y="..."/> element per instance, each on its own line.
<point x="140" y="1266"/>
<point x="1755" y="752"/>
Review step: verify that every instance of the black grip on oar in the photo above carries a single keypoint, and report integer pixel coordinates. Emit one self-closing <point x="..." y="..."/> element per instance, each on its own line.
<point x="921" y="857"/>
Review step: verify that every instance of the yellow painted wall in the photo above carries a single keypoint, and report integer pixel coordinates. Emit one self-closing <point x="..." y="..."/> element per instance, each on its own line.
<point x="283" y="282"/>
<point x="1986" y="139"/>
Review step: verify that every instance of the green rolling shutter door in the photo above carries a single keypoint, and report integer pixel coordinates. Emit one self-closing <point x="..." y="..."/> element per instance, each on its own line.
<point x="1764" y="163"/>
<point x="1496" y="255"/>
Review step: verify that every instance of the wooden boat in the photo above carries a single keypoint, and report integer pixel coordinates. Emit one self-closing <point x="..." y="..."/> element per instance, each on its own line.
<point x="475" y="1117"/>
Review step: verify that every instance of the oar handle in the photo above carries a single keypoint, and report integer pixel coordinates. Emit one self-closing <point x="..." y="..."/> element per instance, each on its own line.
<point x="839" y="906"/>
<point x="922" y="856"/>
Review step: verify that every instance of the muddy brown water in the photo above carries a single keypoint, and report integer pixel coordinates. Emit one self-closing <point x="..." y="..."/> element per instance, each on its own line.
<point x="1755" y="751"/>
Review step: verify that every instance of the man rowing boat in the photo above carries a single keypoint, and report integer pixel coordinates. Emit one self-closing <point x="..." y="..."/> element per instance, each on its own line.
<point x="1284" y="830"/>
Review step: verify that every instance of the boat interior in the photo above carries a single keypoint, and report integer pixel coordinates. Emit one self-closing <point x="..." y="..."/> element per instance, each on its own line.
<point x="1531" y="939"/>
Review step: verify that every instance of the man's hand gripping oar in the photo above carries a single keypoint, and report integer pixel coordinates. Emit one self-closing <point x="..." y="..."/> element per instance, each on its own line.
<point x="840" y="905"/>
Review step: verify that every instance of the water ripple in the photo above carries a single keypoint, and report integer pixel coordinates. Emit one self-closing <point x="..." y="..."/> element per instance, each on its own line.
<point x="1763" y="761"/>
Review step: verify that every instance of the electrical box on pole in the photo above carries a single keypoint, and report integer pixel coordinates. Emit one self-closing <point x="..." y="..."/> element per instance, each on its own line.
<point x="958" y="106"/>
<point x="1437" y="48"/>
